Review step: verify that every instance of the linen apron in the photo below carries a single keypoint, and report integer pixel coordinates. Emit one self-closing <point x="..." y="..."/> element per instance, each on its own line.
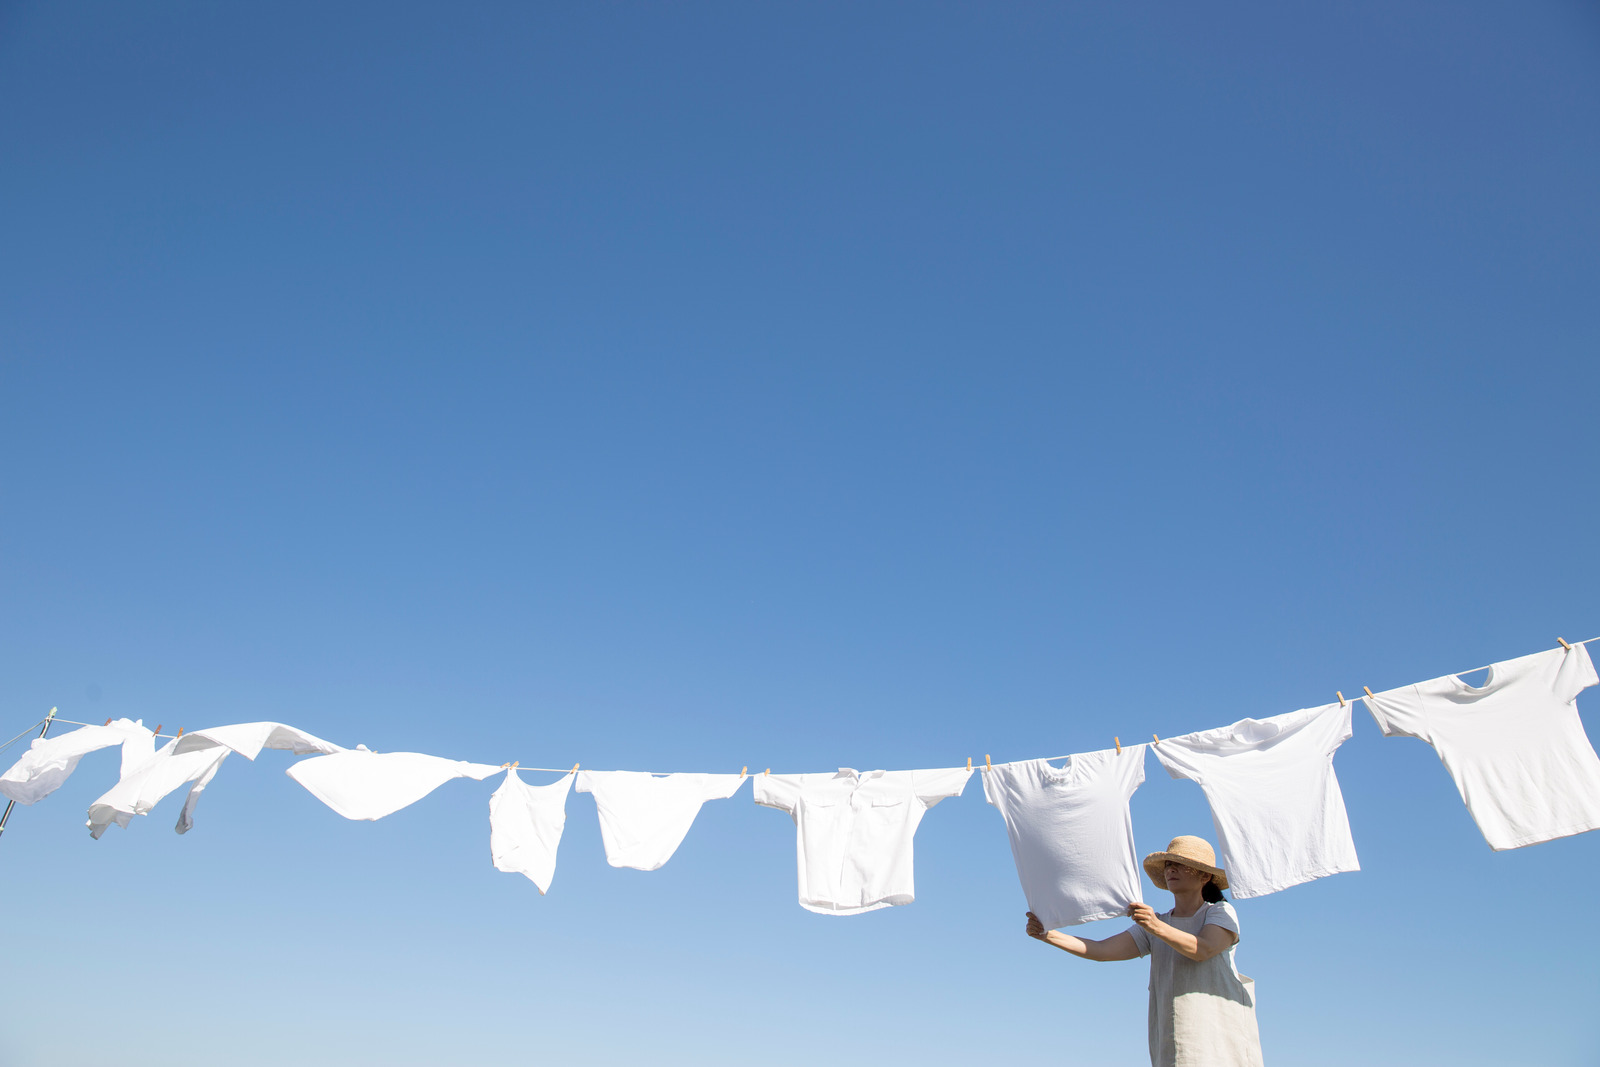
<point x="1202" y="1014"/>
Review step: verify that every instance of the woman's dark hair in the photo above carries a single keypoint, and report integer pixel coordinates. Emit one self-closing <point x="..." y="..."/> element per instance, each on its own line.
<point x="1211" y="894"/>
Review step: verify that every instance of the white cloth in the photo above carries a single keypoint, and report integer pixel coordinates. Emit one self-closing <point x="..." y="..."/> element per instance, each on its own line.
<point x="525" y="824"/>
<point x="1274" y="798"/>
<point x="1202" y="1013"/>
<point x="361" y="784"/>
<point x="1515" y="746"/>
<point x="249" y="738"/>
<point x="853" y="831"/>
<point x="1071" y="832"/>
<point x="51" y="760"/>
<point x="144" y="787"/>
<point x="643" y="817"/>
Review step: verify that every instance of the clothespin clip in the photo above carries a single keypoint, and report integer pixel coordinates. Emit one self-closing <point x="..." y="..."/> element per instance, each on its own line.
<point x="1564" y="644"/>
<point x="516" y="764"/>
<point x="1366" y="690"/>
<point x="769" y="772"/>
<point x="969" y="763"/>
<point x="180" y="731"/>
<point x="505" y="766"/>
<point x="158" y="728"/>
<point x="574" y="769"/>
<point x="108" y="720"/>
<point x="986" y="764"/>
<point x="743" y="769"/>
<point x="1118" y="742"/>
<point x="1340" y="695"/>
<point x="1157" y="737"/>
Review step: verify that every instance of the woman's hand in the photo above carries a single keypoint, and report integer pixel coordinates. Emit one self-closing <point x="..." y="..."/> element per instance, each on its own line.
<point x="1036" y="928"/>
<point x="1144" y="915"/>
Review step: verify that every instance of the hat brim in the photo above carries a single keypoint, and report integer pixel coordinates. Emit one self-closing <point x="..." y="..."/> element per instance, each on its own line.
<point x="1155" y="866"/>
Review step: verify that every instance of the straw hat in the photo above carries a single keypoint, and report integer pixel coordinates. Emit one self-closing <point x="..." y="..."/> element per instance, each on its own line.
<point x="1189" y="851"/>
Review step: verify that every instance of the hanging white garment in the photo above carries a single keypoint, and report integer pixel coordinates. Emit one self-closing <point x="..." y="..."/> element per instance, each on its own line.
<point x="525" y="824"/>
<point x="249" y="738"/>
<point x="1071" y="832"/>
<point x="645" y="817"/>
<point x="51" y="760"/>
<point x="147" y="784"/>
<point x="854" y="831"/>
<point x="1515" y="745"/>
<point x="1274" y="798"/>
<point x="361" y="784"/>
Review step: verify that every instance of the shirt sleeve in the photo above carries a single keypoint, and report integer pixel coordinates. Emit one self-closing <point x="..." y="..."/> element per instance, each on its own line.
<point x="933" y="786"/>
<point x="1141" y="939"/>
<point x="1223" y="915"/>
<point x="1575" y="674"/>
<point x="781" y="791"/>
<point x="1399" y="713"/>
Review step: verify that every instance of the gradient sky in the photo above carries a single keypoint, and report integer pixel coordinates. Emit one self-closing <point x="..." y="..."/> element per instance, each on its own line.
<point x="681" y="387"/>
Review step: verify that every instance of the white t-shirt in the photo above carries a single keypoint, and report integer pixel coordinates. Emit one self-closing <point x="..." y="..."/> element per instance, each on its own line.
<point x="51" y="760"/>
<point x="249" y="738"/>
<point x="1071" y="833"/>
<point x="525" y="824"/>
<point x="854" y="831"/>
<point x="1515" y="746"/>
<point x="143" y="788"/>
<point x="361" y="784"/>
<point x="1274" y="798"/>
<point x="645" y="817"/>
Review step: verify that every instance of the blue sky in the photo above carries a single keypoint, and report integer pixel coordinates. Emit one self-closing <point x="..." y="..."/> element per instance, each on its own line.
<point x="681" y="387"/>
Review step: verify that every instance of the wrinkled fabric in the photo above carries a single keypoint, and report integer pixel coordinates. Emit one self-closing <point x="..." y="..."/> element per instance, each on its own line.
<point x="249" y="738"/>
<point x="50" y="761"/>
<point x="142" y="789"/>
<point x="645" y="817"/>
<point x="361" y="784"/>
<point x="525" y="825"/>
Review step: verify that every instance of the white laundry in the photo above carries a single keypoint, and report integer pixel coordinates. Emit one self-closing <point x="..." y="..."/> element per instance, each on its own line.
<point x="1071" y="832"/>
<point x="249" y="738"/>
<point x="645" y="817"/>
<point x="853" y="831"/>
<point x="143" y="788"/>
<point x="51" y="760"/>
<point x="360" y="784"/>
<point x="525" y="824"/>
<point x="1515" y="745"/>
<point x="1274" y="798"/>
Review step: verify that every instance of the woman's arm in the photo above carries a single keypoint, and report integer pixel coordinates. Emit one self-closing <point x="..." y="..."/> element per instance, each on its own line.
<point x="1117" y="947"/>
<point x="1211" y="940"/>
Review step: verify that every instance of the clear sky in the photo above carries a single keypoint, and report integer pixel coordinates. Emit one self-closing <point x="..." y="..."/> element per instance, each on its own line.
<point x="687" y="386"/>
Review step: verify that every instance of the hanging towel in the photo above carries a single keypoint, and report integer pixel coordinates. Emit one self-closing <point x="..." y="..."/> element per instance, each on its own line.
<point x="853" y="831"/>
<point x="1275" y="800"/>
<point x="645" y="817"/>
<point x="361" y="784"/>
<point x="51" y="760"/>
<point x="1515" y="745"/>
<point x="1071" y="832"/>
<point x="525" y="824"/>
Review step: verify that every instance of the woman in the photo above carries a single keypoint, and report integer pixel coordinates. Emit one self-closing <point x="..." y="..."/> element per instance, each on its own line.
<point x="1202" y="1011"/>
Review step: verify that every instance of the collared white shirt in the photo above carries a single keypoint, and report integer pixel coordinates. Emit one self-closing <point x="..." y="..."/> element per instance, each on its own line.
<point x="854" y="831"/>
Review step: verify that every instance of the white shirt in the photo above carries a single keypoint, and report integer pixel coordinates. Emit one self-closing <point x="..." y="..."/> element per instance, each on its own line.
<point x="1515" y="746"/>
<point x="1071" y="833"/>
<point x="525" y="824"/>
<point x="361" y="784"/>
<point x="249" y="738"/>
<point x="1274" y="798"/>
<point x="854" y="831"/>
<point x="51" y="760"/>
<point x="143" y="788"/>
<point x="645" y="817"/>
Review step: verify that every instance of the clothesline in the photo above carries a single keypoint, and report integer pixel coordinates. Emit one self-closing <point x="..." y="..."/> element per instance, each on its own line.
<point x="574" y="767"/>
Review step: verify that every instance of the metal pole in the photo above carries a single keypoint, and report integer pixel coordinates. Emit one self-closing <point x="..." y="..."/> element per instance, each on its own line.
<point x="48" y="719"/>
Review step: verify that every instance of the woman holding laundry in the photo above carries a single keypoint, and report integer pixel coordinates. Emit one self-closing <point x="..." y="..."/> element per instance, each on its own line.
<point x="1202" y="1011"/>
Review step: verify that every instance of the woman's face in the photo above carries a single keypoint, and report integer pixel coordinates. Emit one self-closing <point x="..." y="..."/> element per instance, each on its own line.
<point x="1182" y="878"/>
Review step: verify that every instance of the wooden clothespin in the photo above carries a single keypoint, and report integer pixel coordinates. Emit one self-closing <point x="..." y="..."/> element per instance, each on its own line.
<point x="180" y="731"/>
<point x="574" y="769"/>
<point x="158" y="728"/>
<point x="1564" y="644"/>
<point x="986" y="764"/>
<point x="743" y="769"/>
<point x="1340" y="695"/>
<point x="1118" y="742"/>
<point x="108" y="720"/>
<point x="504" y="766"/>
<point x="516" y="764"/>
<point x="769" y="774"/>
<point x="1366" y="690"/>
<point x="969" y="763"/>
<point x="1157" y="737"/>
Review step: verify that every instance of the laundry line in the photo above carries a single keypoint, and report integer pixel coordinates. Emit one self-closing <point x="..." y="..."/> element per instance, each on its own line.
<point x="1117" y="741"/>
